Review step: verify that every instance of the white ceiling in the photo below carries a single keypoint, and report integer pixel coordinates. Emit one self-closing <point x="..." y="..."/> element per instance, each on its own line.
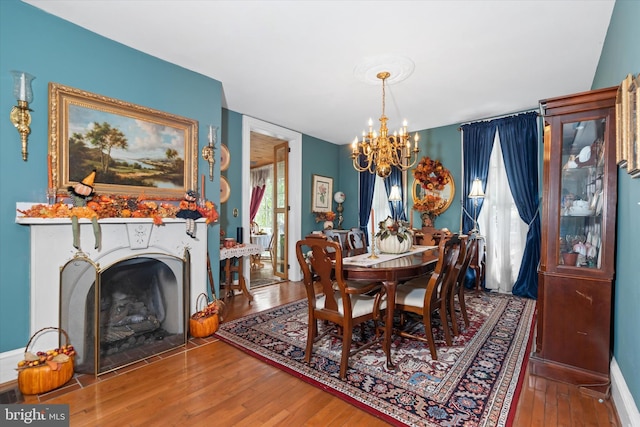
<point x="293" y="63"/>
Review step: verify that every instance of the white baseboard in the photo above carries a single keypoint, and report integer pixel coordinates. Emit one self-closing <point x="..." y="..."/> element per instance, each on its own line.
<point x="8" y="364"/>
<point x="625" y="405"/>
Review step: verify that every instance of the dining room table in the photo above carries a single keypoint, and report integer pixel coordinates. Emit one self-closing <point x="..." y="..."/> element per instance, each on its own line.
<point x="390" y="270"/>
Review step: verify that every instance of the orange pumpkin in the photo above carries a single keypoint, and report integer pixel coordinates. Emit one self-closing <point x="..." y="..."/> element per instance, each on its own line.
<point x="200" y="327"/>
<point x="201" y="323"/>
<point x="43" y="378"/>
<point x="46" y="376"/>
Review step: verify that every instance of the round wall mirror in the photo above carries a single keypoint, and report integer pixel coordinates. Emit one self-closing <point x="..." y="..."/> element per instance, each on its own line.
<point x="441" y="199"/>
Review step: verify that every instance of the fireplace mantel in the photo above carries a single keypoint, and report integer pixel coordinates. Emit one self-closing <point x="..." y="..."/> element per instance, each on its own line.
<point x="52" y="247"/>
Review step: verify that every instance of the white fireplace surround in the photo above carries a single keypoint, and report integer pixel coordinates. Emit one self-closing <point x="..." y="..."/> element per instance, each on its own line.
<point x="122" y="238"/>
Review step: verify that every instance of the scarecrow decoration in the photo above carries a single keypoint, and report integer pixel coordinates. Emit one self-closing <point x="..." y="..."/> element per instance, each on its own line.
<point x="80" y="193"/>
<point x="189" y="211"/>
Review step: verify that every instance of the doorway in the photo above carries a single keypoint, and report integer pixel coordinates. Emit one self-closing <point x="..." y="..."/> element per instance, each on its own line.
<point x="267" y="208"/>
<point x="294" y="178"/>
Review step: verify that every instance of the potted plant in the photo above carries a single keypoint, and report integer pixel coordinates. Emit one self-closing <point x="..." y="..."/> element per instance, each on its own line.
<point x="568" y="255"/>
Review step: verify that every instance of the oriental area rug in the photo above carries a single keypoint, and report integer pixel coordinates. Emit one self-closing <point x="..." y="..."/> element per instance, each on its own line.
<point x="474" y="382"/>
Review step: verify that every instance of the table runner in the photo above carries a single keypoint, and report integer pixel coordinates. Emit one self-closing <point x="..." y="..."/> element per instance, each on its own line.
<point x="365" y="261"/>
<point x="240" y="250"/>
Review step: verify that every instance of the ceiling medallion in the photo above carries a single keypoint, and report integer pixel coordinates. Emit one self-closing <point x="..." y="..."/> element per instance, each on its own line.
<point x="399" y="68"/>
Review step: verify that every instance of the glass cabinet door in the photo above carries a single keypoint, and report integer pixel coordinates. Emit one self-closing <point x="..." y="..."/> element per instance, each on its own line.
<point x="581" y="193"/>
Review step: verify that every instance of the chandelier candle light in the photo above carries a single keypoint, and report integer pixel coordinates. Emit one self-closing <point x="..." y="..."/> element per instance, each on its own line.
<point x="381" y="151"/>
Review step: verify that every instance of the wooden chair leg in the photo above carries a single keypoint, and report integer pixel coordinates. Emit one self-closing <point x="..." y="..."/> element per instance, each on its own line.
<point x="346" y="349"/>
<point x="428" y="330"/>
<point x="445" y="323"/>
<point x="452" y="313"/>
<point x="463" y="306"/>
<point x="312" y="332"/>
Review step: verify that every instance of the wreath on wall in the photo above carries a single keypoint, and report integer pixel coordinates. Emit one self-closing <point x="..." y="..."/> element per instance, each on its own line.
<point x="431" y="174"/>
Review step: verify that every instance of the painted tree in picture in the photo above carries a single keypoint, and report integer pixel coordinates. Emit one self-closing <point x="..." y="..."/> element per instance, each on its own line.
<point x="124" y="150"/>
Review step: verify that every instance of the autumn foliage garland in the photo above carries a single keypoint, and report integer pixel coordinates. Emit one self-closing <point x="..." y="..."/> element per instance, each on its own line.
<point x="102" y="206"/>
<point x="431" y="174"/>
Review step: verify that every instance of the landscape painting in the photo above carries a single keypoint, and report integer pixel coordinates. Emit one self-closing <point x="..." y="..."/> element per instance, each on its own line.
<point x="135" y="150"/>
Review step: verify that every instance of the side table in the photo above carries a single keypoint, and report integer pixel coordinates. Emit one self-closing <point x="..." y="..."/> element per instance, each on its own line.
<point x="234" y="260"/>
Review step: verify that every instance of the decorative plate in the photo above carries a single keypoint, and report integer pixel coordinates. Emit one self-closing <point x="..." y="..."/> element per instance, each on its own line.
<point x="225" y="189"/>
<point x="225" y="158"/>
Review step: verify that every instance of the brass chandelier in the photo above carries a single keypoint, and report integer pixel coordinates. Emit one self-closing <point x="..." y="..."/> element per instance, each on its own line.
<point x="380" y="151"/>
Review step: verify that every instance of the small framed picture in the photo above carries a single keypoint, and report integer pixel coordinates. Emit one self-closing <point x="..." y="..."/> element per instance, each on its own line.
<point x="321" y="193"/>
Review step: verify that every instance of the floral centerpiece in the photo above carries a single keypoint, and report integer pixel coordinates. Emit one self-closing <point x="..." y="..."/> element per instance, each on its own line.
<point x="432" y="177"/>
<point x="326" y="217"/>
<point x="394" y="236"/>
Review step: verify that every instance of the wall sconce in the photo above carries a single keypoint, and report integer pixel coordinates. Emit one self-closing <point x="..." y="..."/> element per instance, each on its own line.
<point x="475" y="194"/>
<point x="20" y="116"/>
<point x="208" y="151"/>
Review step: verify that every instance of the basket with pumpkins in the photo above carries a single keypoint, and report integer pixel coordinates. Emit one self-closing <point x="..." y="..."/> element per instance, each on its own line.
<point x="44" y="371"/>
<point x="205" y="321"/>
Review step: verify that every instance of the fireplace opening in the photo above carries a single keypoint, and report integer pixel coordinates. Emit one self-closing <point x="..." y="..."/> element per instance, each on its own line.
<point x="132" y="310"/>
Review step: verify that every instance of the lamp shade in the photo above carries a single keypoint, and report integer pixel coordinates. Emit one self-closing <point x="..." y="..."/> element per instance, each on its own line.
<point x="395" y="195"/>
<point x="476" y="189"/>
<point x="22" y="86"/>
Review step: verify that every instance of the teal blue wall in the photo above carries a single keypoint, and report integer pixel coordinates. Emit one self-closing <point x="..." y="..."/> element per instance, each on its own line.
<point x="232" y="138"/>
<point x="621" y="56"/>
<point x="318" y="158"/>
<point x="349" y="184"/>
<point x="56" y="51"/>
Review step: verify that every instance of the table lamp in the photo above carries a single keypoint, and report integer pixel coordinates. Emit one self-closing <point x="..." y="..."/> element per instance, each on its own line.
<point x="475" y="194"/>
<point x="339" y="197"/>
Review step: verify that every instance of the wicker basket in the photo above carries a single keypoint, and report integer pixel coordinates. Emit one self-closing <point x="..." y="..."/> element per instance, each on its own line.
<point x="201" y="323"/>
<point x="47" y="376"/>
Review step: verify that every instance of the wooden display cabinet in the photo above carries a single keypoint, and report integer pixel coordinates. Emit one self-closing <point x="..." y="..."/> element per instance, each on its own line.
<point x="575" y="278"/>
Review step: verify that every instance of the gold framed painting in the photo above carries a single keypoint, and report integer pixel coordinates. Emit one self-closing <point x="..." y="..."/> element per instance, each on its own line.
<point x="135" y="150"/>
<point x="633" y="127"/>
<point x="621" y="152"/>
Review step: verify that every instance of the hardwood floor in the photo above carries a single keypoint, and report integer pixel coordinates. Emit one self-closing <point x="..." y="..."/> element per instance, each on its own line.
<point x="212" y="383"/>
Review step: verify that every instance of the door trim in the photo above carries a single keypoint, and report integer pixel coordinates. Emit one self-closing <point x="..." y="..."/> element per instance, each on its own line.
<point x="250" y="124"/>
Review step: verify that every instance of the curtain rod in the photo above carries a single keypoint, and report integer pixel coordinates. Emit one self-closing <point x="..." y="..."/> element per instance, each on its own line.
<point x="499" y="117"/>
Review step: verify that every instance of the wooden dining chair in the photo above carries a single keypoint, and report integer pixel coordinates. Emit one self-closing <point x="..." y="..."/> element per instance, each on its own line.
<point x="467" y="252"/>
<point x="332" y="299"/>
<point x="426" y="296"/>
<point x="336" y="237"/>
<point x="356" y="242"/>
